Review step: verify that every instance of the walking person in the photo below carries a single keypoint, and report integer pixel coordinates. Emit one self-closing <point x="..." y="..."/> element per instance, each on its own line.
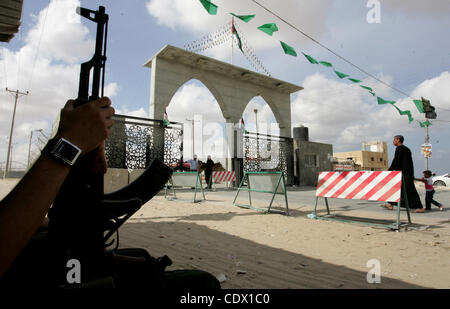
<point x="429" y="190"/>
<point x="208" y="172"/>
<point x="403" y="162"/>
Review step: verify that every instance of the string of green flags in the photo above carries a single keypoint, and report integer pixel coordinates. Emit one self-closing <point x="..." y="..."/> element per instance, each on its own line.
<point x="271" y="28"/>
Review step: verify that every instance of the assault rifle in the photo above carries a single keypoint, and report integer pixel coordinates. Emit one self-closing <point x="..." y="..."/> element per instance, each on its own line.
<point x="82" y="214"/>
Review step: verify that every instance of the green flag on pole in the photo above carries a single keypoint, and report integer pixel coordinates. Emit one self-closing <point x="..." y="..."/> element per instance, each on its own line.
<point x="268" y="28"/>
<point x="245" y="18"/>
<point x="166" y="121"/>
<point x="419" y="105"/>
<point x="234" y="32"/>
<point x="310" y="59"/>
<point x="425" y="124"/>
<point x="288" y="50"/>
<point x="210" y="7"/>
<point x="356" y="81"/>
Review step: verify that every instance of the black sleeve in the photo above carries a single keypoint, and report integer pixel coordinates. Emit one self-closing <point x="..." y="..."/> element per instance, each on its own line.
<point x="396" y="162"/>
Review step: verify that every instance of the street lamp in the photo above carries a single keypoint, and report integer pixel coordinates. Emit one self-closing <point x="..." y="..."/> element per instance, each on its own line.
<point x="257" y="137"/>
<point x="256" y="117"/>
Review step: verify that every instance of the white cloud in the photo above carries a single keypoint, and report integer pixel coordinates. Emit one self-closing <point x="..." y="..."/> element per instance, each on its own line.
<point x="267" y="123"/>
<point x="194" y="98"/>
<point x="436" y="90"/>
<point x="343" y="114"/>
<point x="191" y="17"/>
<point x="51" y="76"/>
<point x="111" y="90"/>
<point x="134" y="113"/>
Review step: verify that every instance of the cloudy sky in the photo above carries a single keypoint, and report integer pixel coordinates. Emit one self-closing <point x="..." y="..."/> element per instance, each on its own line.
<point x="408" y="49"/>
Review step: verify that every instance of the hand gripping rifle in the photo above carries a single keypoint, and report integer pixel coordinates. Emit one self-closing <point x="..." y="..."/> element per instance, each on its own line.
<point x="82" y="214"/>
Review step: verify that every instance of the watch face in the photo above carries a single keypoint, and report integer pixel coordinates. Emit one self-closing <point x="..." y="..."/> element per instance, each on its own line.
<point x="66" y="151"/>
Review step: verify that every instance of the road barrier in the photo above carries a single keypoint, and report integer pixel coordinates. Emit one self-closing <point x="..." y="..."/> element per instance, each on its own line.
<point x="223" y="176"/>
<point x="263" y="182"/>
<point x="382" y="186"/>
<point x="185" y="179"/>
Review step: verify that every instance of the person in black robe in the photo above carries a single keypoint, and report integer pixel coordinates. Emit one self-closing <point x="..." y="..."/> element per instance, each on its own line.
<point x="208" y="172"/>
<point x="403" y="162"/>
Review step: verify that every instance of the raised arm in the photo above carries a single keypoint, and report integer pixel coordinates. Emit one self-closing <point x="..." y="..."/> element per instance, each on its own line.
<point x="24" y="208"/>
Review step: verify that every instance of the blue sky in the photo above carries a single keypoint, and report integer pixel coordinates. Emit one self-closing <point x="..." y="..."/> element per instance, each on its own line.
<point x="408" y="49"/>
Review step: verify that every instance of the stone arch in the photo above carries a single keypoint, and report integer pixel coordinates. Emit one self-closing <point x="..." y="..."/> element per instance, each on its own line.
<point x="258" y="100"/>
<point x="232" y="86"/>
<point x="208" y="85"/>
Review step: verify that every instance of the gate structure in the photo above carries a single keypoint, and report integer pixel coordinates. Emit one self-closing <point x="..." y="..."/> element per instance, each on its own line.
<point x="135" y="142"/>
<point x="233" y="88"/>
<point x="269" y="153"/>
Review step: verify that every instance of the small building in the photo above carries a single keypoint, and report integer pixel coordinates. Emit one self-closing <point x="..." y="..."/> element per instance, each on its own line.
<point x="372" y="157"/>
<point x="310" y="158"/>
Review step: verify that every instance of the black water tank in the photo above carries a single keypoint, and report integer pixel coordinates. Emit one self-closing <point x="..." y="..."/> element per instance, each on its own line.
<point x="301" y="133"/>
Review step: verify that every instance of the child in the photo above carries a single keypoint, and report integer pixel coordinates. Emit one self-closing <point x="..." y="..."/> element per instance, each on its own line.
<point x="429" y="191"/>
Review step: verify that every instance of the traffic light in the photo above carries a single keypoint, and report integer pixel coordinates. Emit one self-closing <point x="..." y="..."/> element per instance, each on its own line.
<point x="428" y="109"/>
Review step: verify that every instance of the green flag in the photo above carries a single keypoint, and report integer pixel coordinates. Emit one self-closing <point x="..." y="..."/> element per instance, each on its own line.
<point x="327" y="64"/>
<point x="210" y="7"/>
<point x="341" y="75"/>
<point x="245" y="18"/>
<point x="310" y="59"/>
<point x="234" y="31"/>
<point x="268" y="28"/>
<point x="425" y="124"/>
<point x="419" y="105"/>
<point x="382" y="101"/>
<point x="367" y="88"/>
<point x="166" y="121"/>
<point x="288" y="50"/>
<point x="408" y="113"/>
<point x="356" y="81"/>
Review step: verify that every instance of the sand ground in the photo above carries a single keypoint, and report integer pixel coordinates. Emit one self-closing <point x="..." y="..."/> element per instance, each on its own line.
<point x="248" y="249"/>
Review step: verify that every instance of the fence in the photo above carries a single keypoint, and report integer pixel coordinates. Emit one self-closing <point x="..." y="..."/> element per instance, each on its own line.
<point x="370" y="186"/>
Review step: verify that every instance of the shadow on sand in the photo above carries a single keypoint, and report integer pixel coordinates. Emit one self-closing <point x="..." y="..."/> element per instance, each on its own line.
<point x="245" y="263"/>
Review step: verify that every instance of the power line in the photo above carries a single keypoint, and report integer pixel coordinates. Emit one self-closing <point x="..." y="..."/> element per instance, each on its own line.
<point x="39" y="45"/>
<point x="331" y="51"/>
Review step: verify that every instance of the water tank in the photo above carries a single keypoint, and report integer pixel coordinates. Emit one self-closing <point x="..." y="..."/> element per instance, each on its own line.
<point x="301" y="133"/>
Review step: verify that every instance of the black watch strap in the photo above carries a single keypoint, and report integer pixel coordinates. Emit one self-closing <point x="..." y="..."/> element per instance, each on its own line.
<point x="63" y="151"/>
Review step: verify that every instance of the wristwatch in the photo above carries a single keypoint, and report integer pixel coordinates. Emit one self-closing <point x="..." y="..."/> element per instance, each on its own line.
<point x="62" y="150"/>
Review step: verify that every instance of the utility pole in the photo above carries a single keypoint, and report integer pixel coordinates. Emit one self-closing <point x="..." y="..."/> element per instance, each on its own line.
<point x="430" y="113"/>
<point x="16" y="94"/>
<point x="427" y="141"/>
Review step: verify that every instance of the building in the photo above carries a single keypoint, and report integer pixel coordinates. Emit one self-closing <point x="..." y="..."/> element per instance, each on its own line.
<point x="310" y="158"/>
<point x="372" y="157"/>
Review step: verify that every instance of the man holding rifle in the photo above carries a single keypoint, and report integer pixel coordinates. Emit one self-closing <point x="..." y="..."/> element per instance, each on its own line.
<point x="24" y="208"/>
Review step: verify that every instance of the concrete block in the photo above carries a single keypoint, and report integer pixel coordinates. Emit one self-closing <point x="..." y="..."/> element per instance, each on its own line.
<point x="135" y="174"/>
<point x="115" y="179"/>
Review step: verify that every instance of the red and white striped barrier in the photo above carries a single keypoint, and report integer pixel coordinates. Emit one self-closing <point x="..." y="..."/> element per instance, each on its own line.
<point x="371" y="186"/>
<point x="225" y="176"/>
